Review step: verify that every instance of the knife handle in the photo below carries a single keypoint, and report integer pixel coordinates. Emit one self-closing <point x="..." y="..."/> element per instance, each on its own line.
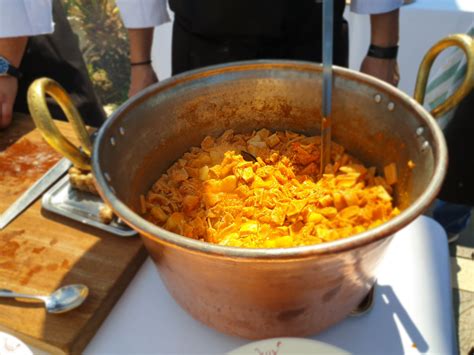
<point x="44" y="122"/>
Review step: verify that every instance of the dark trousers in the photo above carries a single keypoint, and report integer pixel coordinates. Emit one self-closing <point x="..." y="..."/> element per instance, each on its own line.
<point x="458" y="186"/>
<point x="57" y="56"/>
<point x="297" y="41"/>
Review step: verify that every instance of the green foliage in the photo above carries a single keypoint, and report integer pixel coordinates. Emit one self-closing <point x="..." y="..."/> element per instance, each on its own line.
<point x="104" y="44"/>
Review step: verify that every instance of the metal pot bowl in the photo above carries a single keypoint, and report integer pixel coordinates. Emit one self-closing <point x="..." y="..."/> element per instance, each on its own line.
<point x="261" y="293"/>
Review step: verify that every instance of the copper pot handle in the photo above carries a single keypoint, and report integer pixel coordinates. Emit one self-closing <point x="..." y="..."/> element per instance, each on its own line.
<point x="466" y="43"/>
<point x="44" y="122"/>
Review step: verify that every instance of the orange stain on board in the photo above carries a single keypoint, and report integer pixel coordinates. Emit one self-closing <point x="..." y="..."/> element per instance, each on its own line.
<point x="27" y="160"/>
<point x="7" y="236"/>
<point x="65" y="264"/>
<point x="38" y="250"/>
<point x="34" y="270"/>
<point x="8" y="265"/>
<point x="52" y="267"/>
<point x="8" y="249"/>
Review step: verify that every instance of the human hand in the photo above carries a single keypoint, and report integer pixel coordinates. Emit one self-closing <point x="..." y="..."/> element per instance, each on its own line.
<point x="8" y="90"/>
<point x="384" y="69"/>
<point x="142" y="76"/>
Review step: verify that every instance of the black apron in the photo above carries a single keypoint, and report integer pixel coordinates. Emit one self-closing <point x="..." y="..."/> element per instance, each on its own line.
<point x="207" y="32"/>
<point x="458" y="187"/>
<point x="57" y="56"/>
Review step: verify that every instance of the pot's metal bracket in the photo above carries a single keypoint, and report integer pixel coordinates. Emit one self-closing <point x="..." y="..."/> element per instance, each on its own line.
<point x="366" y="304"/>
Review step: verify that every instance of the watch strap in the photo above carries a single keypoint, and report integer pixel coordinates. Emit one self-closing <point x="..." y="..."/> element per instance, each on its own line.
<point x="13" y="71"/>
<point x="383" y="52"/>
<point x="145" y="62"/>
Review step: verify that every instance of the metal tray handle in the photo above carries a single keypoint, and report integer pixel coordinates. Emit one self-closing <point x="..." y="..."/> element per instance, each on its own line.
<point x="42" y="117"/>
<point x="466" y="43"/>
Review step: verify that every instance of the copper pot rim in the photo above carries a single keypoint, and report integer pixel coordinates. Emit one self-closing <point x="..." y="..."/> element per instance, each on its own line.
<point x="160" y="235"/>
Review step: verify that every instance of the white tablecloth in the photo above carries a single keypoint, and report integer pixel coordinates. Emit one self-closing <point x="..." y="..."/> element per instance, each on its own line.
<point x="412" y="311"/>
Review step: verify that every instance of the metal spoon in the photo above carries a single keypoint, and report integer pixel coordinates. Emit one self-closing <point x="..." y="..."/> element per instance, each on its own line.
<point x="62" y="300"/>
<point x="328" y="20"/>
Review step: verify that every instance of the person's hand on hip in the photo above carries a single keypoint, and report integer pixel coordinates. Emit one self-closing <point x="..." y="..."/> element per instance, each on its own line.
<point x="11" y="50"/>
<point x="8" y="90"/>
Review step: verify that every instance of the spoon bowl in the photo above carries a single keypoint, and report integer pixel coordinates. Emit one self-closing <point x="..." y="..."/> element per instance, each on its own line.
<point x="62" y="300"/>
<point x="66" y="298"/>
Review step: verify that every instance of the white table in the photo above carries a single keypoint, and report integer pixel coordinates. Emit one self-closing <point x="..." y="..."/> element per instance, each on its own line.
<point x="412" y="306"/>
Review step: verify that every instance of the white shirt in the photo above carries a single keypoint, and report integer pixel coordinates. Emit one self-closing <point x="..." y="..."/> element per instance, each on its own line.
<point x="33" y="17"/>
<point x="25" y="17"/>
<point x="374" y="7"/>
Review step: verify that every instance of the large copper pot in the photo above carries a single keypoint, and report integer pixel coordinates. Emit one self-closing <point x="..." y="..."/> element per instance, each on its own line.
<point x="259" y="293"/>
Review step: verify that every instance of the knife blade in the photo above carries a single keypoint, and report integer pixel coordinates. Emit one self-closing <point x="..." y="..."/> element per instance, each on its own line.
<point x="35" y="191"/>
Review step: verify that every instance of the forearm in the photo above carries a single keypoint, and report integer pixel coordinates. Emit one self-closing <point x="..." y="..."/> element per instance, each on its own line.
<point x="384" y="29"/>
<point x="140" y="44"/>
<point x="384" y="33"/>
<point x="13" y="48"/>
<point x="142" y="73"/>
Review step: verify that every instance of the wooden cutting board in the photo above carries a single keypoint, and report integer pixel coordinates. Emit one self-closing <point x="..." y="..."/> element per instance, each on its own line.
<point x="41" y="251"/>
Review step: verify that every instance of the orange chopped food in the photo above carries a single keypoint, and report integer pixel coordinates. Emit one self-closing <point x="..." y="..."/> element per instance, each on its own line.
<point x="390" y="172"/>
<point x="277" y="200"/>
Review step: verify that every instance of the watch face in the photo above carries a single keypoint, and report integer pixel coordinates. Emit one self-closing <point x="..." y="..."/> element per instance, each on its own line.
<point x="3" y="66"/>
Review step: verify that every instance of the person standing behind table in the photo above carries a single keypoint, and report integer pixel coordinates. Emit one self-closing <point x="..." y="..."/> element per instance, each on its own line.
<point x="453" y="208"/>
<point x="207" y="32"/>
<point x="29" y="50"/>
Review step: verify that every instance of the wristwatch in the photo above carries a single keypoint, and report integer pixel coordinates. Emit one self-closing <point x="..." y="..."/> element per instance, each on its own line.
<point x="8" y="69"/>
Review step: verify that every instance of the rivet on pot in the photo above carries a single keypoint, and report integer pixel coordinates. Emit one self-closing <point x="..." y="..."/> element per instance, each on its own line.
<point x="419" y="131"/>
<point x="122" y="131"/>
<point x="112" y="141"/>
<point x="378" y="98"/>
<point x="107" y="177"/>
<point x="425" y="145"/>
<point x="391" y="106"/>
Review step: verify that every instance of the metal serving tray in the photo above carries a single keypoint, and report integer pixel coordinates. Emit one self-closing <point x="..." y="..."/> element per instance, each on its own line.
<point x="81" y="206"/>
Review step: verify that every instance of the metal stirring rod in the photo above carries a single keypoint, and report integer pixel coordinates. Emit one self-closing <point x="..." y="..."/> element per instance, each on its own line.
<point x="328" y="19"/>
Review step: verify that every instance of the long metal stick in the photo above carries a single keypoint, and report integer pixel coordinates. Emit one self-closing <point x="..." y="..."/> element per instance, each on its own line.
<point x="328" y="20"/>
<point x="35" y="191"/>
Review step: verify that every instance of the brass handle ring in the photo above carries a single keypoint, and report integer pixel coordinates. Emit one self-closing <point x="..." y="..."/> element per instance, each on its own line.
<point x="42" y="117"/>
<point x="466" y="43"/>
